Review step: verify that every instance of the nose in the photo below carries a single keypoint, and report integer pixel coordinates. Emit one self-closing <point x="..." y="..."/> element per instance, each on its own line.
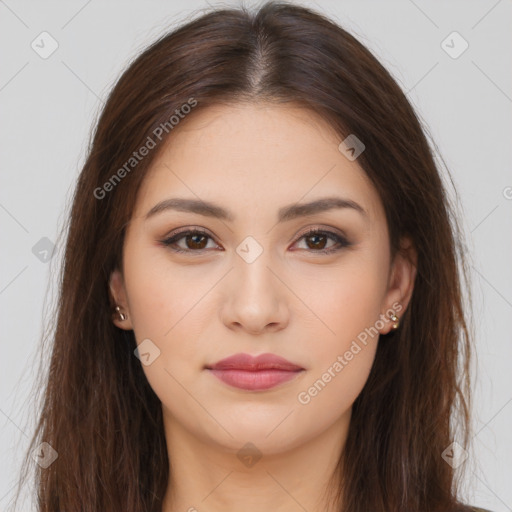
<point x="256" y="298"/>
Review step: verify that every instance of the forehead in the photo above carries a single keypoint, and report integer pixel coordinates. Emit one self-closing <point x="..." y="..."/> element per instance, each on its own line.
<point x="256" y="156"/>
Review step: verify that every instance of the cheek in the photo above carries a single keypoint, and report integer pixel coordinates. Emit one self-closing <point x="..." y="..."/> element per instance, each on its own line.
<point x="344" y="353"/>
<point x="344" y="300"/>
<point x="166" y="305"/>
<point x="347" y="309"/>
<point x="165" y="310"/>
<point x="158" y="294"/>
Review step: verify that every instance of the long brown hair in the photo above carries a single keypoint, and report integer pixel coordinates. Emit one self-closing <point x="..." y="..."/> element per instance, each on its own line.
<point x="99" y="412"/>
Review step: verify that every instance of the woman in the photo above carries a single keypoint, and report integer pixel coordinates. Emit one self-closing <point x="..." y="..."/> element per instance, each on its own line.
<point x="260" y="303"/>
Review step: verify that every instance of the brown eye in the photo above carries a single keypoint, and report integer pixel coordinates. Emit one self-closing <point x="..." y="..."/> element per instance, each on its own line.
<point x="194" y="241"/>
<point x="316" y="240"/>
<point x="197" y="241"/>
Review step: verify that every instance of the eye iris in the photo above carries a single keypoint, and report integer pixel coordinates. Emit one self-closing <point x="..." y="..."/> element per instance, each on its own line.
<point x="315" y="244"/>
<point x="197" y="245"/>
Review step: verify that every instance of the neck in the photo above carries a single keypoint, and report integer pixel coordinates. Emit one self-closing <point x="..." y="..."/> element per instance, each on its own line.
<point x="251" y="476"/>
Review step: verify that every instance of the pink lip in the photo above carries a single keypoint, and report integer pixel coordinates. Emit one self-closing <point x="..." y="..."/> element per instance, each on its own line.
<point x="254" y="373"/>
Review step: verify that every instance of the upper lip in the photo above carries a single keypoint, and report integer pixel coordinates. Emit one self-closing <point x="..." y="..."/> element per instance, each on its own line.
<point x="250" y="363"/>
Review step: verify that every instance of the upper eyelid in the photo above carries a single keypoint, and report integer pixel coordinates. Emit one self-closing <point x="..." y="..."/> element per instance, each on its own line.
<point x="205" y="231"/>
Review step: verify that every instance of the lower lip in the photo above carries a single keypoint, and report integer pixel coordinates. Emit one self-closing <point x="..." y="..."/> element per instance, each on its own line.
<point x="262" y="379"/>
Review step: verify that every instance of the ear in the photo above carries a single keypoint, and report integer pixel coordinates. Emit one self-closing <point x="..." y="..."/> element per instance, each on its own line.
<point x="401" y="283"/>
<point x="119" y="297"/>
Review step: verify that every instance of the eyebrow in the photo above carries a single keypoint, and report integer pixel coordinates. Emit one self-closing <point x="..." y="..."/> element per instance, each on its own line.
<point x="285" y="213"/>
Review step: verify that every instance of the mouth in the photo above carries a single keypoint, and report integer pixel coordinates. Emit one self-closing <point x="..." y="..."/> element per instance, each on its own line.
<point x="265" y="371"/>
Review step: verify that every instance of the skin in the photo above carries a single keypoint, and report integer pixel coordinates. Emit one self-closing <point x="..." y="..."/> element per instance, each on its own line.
<point x="293" y="301"/>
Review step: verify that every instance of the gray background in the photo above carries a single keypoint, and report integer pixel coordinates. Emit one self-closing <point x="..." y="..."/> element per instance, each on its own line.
<point x="48" y="107"/>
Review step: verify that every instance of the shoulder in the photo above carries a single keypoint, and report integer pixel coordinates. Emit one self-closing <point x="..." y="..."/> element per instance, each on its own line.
<point x="470" y="508"/>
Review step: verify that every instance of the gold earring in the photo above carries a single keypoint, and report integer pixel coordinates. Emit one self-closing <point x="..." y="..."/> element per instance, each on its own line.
<point x="120" y="314"/>
<point x="395" y="320"/>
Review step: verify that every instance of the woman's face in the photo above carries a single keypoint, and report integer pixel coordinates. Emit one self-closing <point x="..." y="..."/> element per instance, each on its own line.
<point x="253" y="281"/>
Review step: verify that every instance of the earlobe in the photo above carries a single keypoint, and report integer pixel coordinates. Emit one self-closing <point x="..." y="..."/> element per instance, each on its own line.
<point x="120" y="314"/>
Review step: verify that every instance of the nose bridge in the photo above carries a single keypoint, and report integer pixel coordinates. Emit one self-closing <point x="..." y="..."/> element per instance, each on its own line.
<point x="257" y="298"/>
<point x="252" y="267"/>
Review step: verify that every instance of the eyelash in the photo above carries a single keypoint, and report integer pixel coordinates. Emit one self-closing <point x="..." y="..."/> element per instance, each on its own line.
<point x="340" y="240"/>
